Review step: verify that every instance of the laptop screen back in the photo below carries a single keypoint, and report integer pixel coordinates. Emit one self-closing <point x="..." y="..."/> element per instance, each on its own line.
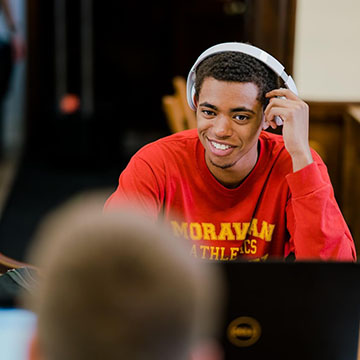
<point x="279" y="310"/>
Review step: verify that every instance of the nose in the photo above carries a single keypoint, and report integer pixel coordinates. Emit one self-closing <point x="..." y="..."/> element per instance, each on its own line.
<point x="222" y="127"/>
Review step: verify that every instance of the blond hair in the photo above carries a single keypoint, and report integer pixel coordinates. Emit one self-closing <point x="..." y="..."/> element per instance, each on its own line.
<point x="116" y="286"/>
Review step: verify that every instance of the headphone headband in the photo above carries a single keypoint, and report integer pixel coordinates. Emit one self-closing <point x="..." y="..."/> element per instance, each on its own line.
<point x="250" y="50"/>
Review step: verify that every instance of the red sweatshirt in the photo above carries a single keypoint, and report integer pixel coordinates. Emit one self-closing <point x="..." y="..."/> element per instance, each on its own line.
<point x="272" y="213"/>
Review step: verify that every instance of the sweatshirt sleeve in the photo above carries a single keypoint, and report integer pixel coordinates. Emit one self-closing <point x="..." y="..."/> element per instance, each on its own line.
<point x="138" y="188"/>
<point x="316" y="225"/>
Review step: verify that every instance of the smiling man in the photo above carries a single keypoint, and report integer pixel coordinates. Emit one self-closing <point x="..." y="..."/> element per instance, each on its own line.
<point x="229" y="124"/>
<point x="232" y="189"/>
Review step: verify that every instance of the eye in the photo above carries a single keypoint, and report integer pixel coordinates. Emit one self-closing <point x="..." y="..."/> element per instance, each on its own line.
<point x="208" y="113"/>
<point x="241" y="118"/>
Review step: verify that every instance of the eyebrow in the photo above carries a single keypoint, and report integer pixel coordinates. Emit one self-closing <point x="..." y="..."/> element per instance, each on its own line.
<point x="237" y="109"/>
<point x="209" y="105"/>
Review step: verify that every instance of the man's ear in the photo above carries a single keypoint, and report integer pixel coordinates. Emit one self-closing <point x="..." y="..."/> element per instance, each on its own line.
<point x="195" y="101"/>
<point x="209" y="350"/>
<point x="35" y="352"/>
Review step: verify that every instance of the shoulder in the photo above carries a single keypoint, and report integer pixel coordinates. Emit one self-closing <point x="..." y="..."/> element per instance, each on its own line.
<point x="182" y="142"/>
<point x="274" y="152"/>
<point x="273" y="149"/>
<point x="180" y="137"/>
<point x="272" y="141"/>
<point x="169" y="156"/>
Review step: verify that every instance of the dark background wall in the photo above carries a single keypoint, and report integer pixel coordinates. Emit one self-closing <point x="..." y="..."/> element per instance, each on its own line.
<point x="137" y="47"/>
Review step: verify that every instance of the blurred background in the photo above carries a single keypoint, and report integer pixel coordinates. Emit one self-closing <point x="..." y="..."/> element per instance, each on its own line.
<point x="89" y="90"/>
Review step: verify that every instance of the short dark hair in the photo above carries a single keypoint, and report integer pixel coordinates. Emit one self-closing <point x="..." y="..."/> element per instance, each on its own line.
<point x="237" y="67"/>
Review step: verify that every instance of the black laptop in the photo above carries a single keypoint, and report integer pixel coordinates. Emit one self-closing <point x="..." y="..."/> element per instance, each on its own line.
<point x="296" y="311"/>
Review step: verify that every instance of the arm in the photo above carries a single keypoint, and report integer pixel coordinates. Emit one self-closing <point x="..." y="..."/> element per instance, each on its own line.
<point x="316" y="225"/>
<point x="138" y="187"/>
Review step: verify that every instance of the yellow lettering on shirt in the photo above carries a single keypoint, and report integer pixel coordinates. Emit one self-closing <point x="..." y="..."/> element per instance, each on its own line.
<point x="195" y="231"/>
<point x="253" y="247"/>
<point x="253" y="228"/>
<point x="209" y="231"/>
<point x="180" y="231"/>
<point x="193" y="251"/>
<point x="246" y="244"/>
<point x="218" y="253"/>
<point x="234" y="252"/>
<point x="214" y="252"/>
<point x="226" y="232"/>
<point x="241" y="230"/>
<point x="266" y="231"/>
<point x="222" y="256"/>
<point x="204" y="249"/>
<point x="263" y="258"/>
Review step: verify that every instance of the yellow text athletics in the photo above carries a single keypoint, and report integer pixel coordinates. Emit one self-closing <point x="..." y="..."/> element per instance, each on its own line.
<point x="249" y="247"/>
<point x="226" y="230"/>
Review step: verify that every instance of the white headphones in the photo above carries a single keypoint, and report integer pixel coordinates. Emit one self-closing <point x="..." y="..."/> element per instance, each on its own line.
<point x="253" y="51"/>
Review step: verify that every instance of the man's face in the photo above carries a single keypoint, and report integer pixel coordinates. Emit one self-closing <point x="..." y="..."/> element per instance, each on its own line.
<point x="229" y="119"/>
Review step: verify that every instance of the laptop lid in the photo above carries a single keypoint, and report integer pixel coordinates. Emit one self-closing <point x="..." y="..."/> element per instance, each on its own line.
<point x="282" y="310"/>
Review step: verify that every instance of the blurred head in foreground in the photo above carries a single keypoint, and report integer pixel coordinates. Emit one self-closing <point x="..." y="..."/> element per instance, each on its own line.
<point x="119" y="287"/>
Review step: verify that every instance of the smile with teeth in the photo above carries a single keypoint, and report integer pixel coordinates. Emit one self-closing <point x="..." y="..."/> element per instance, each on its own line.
<point x="220" y="146"/>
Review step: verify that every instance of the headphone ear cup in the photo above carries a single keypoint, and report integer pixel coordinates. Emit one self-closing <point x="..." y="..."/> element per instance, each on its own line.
<point x="193" y="92"/>
<point x="279" y="121"/>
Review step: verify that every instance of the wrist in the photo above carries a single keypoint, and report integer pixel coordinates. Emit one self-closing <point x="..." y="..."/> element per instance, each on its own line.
<point x="301" y="160"/>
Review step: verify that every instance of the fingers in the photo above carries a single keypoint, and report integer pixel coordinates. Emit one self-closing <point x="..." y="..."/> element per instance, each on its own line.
<point x="273" y="112"/>
<point x="283" y="104"/>
<point x="288" y="94"/>
<point x="295" y="114"/>
<point x="276" y="112"/>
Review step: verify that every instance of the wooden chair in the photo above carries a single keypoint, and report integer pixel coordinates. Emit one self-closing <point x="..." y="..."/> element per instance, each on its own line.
<point x="7" y="263"/>
<point x="178" y="113"/>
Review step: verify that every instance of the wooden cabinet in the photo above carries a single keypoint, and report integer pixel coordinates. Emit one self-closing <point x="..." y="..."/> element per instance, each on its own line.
<point x="335" y="134"/>
<point x="351" y="172"/>
<point x="327" y="138"/>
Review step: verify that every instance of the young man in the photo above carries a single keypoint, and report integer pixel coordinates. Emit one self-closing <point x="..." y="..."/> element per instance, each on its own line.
<point x="106" y="294"/>
<point x="232" y="189"/>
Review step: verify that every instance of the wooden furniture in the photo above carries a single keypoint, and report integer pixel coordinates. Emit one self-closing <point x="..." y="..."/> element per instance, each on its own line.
<point x="351" y="172"/>
<point x="7" y="263"/>
<point x="327" y="138"/>
<point x="178" y="113"/>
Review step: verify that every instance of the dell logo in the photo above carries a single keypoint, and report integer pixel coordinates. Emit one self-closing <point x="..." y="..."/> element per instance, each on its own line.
<point x="244" y="331"/>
